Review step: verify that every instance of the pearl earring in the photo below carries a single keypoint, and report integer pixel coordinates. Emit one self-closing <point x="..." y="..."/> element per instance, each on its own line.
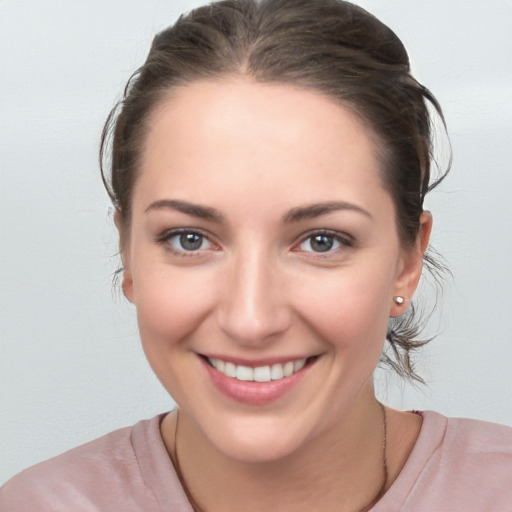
<point x="399" y="300"/>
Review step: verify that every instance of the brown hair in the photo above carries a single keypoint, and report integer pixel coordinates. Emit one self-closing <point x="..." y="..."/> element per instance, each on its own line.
<point x="330" y="46"/>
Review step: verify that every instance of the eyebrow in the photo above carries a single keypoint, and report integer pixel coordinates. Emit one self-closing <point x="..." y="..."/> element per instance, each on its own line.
<point x="294" y="215"/>
<point x="316" y="210"/>
<point x="196" y="210"/>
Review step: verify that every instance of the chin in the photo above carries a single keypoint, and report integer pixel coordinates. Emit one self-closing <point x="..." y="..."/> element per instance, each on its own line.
<point x="257" y="451"/>
<point x="252" y="441"/>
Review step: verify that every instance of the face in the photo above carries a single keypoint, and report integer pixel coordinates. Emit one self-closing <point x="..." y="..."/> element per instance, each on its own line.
<point x="262" y="258"/>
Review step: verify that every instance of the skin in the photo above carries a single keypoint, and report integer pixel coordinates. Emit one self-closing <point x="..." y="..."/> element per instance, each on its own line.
<point x="256" y="290"/>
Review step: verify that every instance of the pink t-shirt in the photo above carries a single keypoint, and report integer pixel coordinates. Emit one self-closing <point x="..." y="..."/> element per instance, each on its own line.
<point x="456" y="465"/>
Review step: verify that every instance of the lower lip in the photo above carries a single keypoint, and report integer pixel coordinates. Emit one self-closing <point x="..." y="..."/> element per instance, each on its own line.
<point x="254" y="393"/>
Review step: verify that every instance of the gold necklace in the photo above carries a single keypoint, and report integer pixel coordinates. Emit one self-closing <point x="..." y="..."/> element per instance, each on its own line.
<point x="379" y="495"/>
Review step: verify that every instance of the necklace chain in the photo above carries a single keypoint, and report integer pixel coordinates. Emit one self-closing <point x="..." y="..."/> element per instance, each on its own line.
<point x="379" y="495"/>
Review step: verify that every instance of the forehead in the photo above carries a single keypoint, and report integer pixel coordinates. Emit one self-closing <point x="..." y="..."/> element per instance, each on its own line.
<point x="245" y="136"/>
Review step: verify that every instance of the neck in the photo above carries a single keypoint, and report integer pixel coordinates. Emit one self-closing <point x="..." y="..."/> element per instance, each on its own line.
<point x="343" y="469"/>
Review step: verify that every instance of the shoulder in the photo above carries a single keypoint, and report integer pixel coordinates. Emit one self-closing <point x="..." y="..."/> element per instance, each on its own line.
<point x="473" y="463"/>
<point x="477" y="437"/>
<point x="476" y="447"/>
<point x="109" y="473"/>
<point x="457" y="464"/>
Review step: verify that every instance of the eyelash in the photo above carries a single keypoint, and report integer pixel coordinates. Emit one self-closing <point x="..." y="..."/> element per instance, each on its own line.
<point x="343" y="241"/>
<point x="165" y="239"/>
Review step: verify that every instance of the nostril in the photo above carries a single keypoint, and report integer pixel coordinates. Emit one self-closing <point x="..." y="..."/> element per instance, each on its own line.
<point x="251" y="323"/>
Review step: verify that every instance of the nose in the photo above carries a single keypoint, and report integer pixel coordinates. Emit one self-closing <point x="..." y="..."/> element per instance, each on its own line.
<point x="253" y="308"/>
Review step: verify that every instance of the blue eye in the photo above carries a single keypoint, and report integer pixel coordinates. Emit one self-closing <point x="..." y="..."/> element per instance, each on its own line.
<point x="186" y="241"/>
<point x="321" y="243"/>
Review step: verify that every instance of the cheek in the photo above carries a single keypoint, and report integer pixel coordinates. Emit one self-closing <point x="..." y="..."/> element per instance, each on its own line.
<point x="351" y="309"/>
<point x="170" y="307"/>
<point x="170" y="304"/>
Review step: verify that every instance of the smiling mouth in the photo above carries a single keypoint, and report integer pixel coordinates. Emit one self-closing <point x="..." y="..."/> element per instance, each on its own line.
<point x="267" y="373"/>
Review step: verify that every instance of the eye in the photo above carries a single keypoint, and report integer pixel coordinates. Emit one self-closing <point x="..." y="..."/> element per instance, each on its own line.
<point x="188" y="241"/>
<point x="323" y="242"/>
<point x="182" y="241"/>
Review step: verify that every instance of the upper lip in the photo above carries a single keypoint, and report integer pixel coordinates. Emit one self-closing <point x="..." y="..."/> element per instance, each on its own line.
<point x="254" y="363"/>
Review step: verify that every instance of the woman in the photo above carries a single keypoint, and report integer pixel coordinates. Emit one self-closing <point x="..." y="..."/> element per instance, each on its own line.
<point x="268" y="170"/>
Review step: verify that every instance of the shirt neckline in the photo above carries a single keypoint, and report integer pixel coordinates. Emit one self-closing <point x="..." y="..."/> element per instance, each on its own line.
<point x="430" y="437"/>
<point x="159" y="474"/>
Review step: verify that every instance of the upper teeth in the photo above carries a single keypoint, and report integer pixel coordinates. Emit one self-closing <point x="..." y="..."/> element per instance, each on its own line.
<point x="260" y="373"/>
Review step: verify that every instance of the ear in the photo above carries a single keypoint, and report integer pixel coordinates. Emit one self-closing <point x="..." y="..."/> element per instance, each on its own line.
<point x="411" y="265"/>
<point x="127" y="283"/>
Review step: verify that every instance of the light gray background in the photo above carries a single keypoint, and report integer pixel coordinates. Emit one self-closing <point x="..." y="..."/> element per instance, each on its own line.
<point x="71" y="368"/>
